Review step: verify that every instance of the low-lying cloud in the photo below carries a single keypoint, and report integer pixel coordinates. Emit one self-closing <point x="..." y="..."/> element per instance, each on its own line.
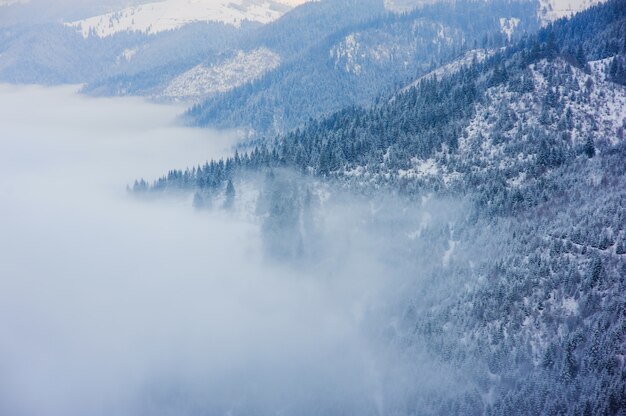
<point x="113" y="305"/>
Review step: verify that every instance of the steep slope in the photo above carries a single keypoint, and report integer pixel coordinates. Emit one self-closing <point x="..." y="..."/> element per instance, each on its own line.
<point x="536" y="122"/>
<point x="474" y="56"/>
<point x="205" y="80"/>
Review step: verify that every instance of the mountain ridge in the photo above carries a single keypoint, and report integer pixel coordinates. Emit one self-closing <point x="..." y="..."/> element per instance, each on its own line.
<point x="151" y="18"/>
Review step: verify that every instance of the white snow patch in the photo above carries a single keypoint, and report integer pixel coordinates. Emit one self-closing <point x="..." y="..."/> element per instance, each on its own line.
<point x="127" y="55"/>
<point x="355" y="172"/>
<point x="347" y="52"/>
<point x="517" y="181"/>
<point x="427" y="167"/>
<point x="508" y="26"/>
<point x="421" y="169"/>
<point x="571" y="306"/>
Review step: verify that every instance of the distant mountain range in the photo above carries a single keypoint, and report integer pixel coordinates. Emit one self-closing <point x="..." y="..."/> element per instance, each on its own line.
<point x="128" y="39"/>
<point x="151" y="18"/>
<point x="246" y="63"/>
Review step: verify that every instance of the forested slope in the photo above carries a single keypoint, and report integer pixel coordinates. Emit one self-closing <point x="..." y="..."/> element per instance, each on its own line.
<point x="515" y="280"/>
<point x="353" y="65"/>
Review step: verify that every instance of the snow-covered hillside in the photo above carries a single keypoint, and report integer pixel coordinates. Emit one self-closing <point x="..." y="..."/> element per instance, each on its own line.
<point x="360" y="50"/>
<point x="475" y="55"/>
<point x="591" y="107"/>
<point x="550" y="10"/>
<point x="165" y="15"/>
<point x="203" y="80"/>
<point x="595" y="107"/>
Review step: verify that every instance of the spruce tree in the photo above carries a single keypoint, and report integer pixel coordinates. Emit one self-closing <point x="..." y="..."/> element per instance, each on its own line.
<point x="590" y="148"/>
<point x="230" y="195"/>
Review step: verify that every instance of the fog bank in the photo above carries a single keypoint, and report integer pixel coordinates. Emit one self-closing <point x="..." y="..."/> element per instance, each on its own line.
<point x="113" y="305"/>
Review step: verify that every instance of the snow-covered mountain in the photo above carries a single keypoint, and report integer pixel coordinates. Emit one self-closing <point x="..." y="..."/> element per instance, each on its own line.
<point x="165" y="15"/>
